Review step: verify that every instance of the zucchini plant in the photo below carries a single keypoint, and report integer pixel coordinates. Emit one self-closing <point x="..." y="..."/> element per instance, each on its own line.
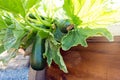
<point x="51" y="25"/>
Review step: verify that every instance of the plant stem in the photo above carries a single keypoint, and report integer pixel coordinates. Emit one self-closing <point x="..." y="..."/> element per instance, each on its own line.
<point x="43" y="21"/>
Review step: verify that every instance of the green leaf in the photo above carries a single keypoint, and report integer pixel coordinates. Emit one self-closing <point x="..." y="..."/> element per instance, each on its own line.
<point x="79" y="36"/>
<point x="53" y="53"/>
<point x="18" y="35"/>
<point x="30" y="3"/>
<point x="9" y="39"/>
<point x="14" y="6"/>
<point x="44" y="33"/>
<point x="72" y="7"/>
<point x="98" y="14"/>
<point x="13" y="37"/>
<point x="92" y="13"/>
<point x="69" y="7"/>
<point x="2" y="23"/>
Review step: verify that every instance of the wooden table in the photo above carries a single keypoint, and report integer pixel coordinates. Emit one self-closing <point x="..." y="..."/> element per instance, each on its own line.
<point x="99" y="61"/>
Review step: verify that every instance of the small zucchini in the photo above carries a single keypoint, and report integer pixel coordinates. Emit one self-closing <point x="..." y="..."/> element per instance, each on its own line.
<point x="37" y="61"/>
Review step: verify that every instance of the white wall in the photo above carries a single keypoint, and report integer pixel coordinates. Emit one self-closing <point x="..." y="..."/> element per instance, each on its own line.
<point x="115" y="29"/>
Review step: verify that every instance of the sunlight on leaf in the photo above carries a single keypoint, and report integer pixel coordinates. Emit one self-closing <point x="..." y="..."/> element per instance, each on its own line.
<point x="93" y="13"/>
<point x="14" y="6"/>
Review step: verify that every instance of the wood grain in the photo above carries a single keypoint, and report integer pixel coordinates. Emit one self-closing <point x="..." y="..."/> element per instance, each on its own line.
<point x="99" y="61"/>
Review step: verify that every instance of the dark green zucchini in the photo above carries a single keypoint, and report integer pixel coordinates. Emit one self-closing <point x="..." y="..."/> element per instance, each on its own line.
<point x="37" y="61"/>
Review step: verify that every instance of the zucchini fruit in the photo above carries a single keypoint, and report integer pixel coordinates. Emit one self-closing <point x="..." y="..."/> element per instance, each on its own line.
<point x="37" y="61"/>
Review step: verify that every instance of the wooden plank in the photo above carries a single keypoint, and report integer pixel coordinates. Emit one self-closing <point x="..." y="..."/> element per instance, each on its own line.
<point x="103" y="39"/>
<point x="99" y="61"/>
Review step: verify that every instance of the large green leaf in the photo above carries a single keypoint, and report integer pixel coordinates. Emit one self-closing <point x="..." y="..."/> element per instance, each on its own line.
<point x="53" y="53"/>
<point x="79" y="36"/>
<point x="98" y="14"/>
<point x="92" y="13"/>
<point x="14" y="6"/>
<point x="72" y="7"/>
<point x="13" y="37"/>
<point x="68" y="7"/>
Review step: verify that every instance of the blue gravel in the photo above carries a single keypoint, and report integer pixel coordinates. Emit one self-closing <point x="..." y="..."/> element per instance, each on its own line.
<point x="14" y="74"/>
